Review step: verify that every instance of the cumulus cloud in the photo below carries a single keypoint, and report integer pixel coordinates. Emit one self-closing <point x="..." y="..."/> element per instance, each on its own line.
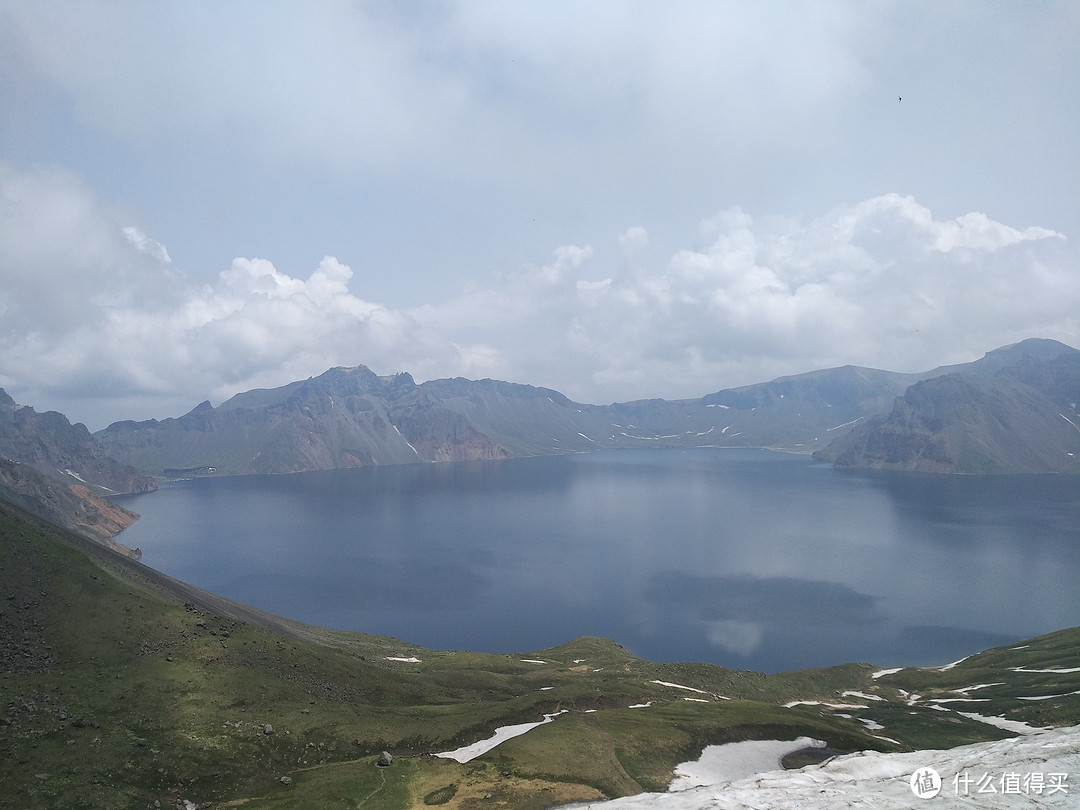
<point x="96" y="320"/>
<point x="93" y="311"/>
<point x="880" y="283"/>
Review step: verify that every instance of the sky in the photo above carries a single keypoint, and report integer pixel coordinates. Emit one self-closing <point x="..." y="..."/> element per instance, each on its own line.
<point x="618" y="200"/>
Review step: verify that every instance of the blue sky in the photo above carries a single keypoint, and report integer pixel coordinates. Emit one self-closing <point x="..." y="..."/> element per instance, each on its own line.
<point x="614" y="199"/>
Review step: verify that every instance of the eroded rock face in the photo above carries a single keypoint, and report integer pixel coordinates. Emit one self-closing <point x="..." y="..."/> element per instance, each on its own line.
<point x="59" y="471"/>
<point x="73" y="507"/>
<point x="55" y="447"/>
<point x="1022" y="419"/>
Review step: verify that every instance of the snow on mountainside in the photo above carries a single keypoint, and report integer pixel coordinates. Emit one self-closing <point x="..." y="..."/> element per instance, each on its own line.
<point x="1035" y="770"/>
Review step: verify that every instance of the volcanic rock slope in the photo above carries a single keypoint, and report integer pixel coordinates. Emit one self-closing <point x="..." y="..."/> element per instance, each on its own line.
<point x="58" y="470"/>
<point x="1014" y="411"/>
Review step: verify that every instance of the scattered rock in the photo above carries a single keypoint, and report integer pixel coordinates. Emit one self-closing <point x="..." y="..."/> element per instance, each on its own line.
<point x="384" y="760"/>
<point x="286" y="780"/>
<point x="268" y="729"/>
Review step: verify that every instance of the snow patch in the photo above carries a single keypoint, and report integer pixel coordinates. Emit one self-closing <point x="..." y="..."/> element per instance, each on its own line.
<point x="1016" y="726"/>
<point x="881" y="673"/>
<point x="680" y="686"/>
<point x="846" y="424"/>
<point x="953" y="664"/>
<point x="410" y="660"/>
<point x="737" y="760"/>
<point x="468" y="753"/>
<point x="792" y="704"/>
<point x="964" y="690"/>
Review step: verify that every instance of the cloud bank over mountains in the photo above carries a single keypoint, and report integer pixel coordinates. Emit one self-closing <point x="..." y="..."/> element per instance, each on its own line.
<point x="97" y="318"/>
<point x="614" y="199"/>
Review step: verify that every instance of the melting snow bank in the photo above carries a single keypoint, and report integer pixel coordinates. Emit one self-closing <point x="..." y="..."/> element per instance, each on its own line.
<point x="471" y="752"/>
<point x="1036" y="770"/>
<point x="737" y="760"/>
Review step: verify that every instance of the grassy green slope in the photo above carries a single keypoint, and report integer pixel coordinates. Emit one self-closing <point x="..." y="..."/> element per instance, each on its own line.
<point x="120" y="688"/>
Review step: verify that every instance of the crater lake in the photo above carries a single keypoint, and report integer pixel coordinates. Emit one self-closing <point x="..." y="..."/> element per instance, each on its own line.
<point x="745" y="558"/>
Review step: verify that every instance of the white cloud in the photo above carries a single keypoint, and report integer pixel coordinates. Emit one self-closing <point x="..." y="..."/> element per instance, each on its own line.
<point x="450" y="85"/>
<point x="739" y="637"/>
<point x="880" y="283"/>
<point x="94" y="313"/>
<point x="145" y="244"/>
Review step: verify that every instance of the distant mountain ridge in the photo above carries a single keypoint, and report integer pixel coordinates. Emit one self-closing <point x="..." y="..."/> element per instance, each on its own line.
<point x="348" y="417"/>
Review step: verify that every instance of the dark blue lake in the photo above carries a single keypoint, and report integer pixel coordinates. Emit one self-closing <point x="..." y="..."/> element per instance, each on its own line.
<point x="745" y="558"/>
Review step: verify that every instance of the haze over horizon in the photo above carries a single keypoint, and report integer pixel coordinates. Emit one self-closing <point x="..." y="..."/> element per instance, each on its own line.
<point x="614" y="200"/>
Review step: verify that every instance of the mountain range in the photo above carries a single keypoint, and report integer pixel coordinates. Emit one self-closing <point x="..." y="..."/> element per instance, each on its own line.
<point x="1014" y="410"/>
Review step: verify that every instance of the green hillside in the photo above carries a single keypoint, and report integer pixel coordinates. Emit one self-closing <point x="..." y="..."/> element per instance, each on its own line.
<point x="122" y="688"/>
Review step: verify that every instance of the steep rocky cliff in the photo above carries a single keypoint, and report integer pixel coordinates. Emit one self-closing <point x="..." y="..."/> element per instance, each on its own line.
<point x="59" y="471"/>
<point x="51" y="444"/>
<point x="1014" y="411"/>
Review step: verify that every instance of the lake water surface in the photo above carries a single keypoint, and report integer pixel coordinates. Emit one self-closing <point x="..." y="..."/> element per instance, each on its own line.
<point x="745" y="558"/>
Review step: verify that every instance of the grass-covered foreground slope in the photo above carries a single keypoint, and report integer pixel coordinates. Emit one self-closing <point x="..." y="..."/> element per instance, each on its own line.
<point x="122" y="688"/>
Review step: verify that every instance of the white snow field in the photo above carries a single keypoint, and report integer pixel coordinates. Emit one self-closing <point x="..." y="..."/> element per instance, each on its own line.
<point x="468" y="753"/>
<point x="737" y="760"/>
<point x="1032" y="771"/>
